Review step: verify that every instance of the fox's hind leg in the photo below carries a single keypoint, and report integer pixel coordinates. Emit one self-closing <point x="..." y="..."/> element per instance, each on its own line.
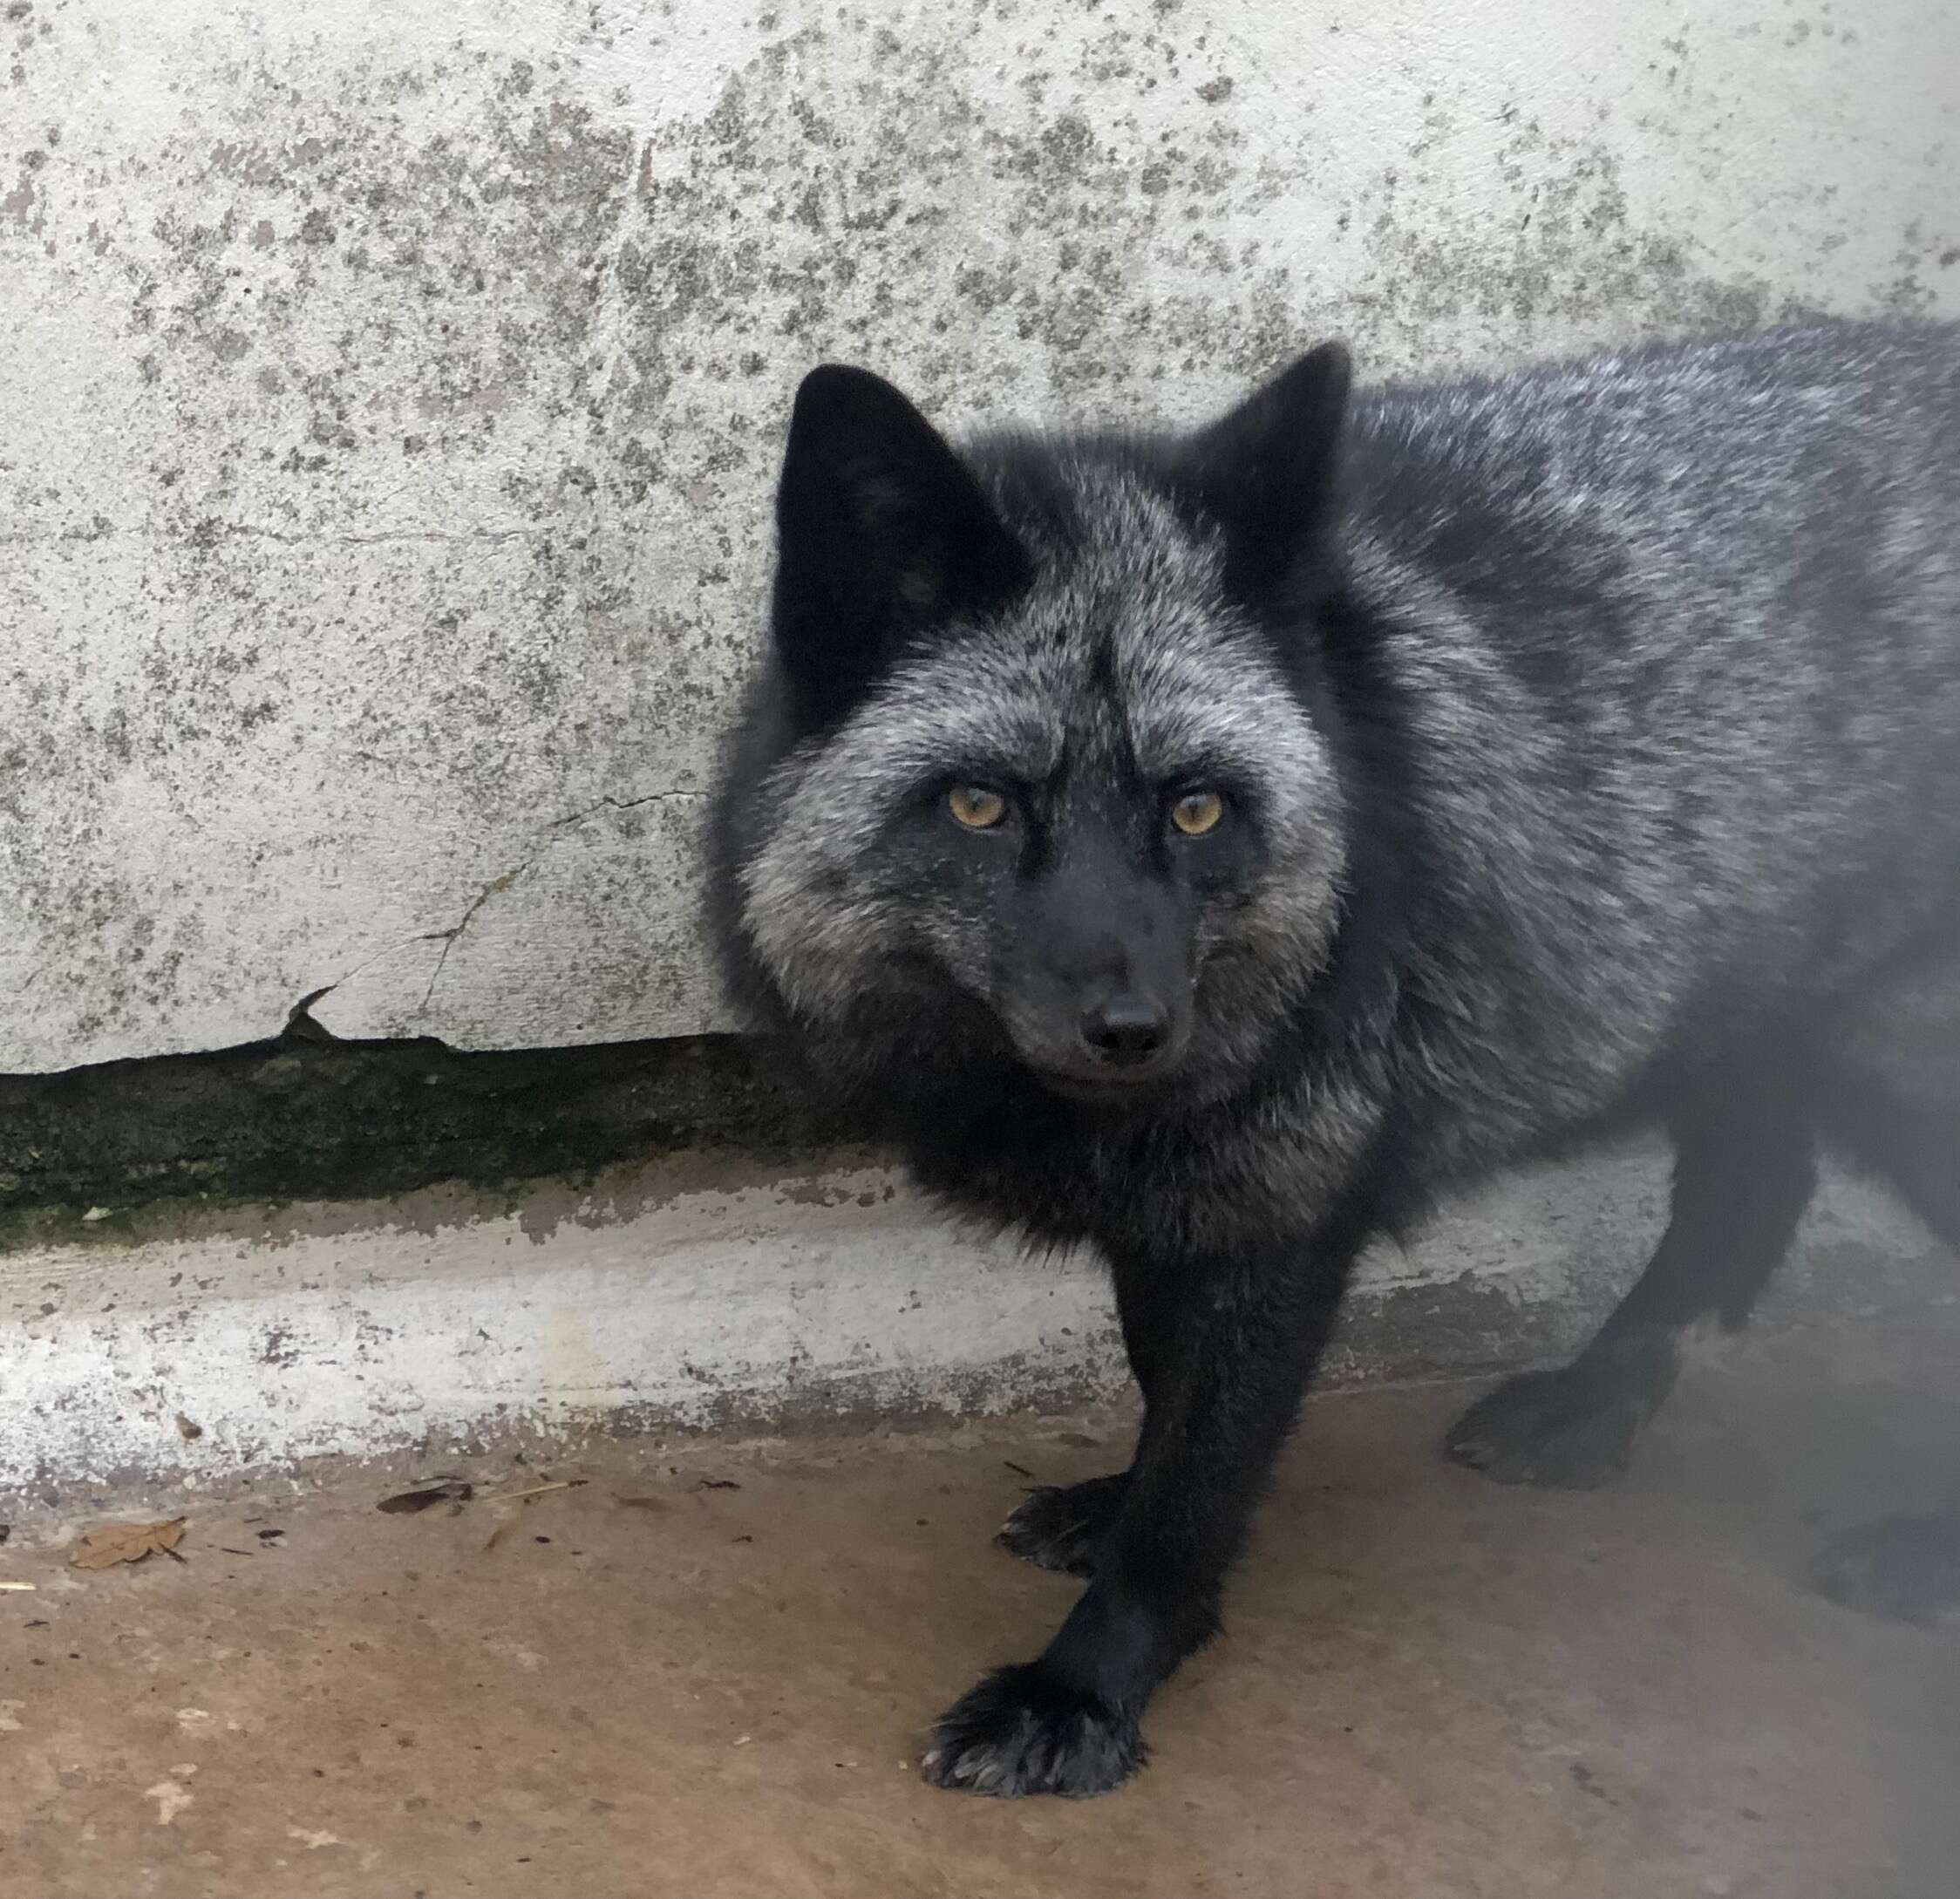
<point x="1744" y="1171"/>
<point x="1892" y="1102"/>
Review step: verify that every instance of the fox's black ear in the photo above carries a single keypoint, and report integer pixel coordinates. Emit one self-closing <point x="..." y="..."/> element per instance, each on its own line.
<point x="1268" y="469"/>
<point x="882" y="531"/>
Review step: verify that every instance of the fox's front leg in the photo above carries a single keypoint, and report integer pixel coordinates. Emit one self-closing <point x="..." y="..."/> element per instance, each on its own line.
<point x="1064" y="1525"/>
<point x="1245" y="1338"/>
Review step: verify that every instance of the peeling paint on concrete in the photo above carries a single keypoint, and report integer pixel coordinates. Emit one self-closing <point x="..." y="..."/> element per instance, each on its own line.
<point x="392" y="394"/>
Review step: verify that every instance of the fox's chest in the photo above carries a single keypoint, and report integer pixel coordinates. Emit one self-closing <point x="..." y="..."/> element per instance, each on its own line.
<point x="1223" y="1184"/>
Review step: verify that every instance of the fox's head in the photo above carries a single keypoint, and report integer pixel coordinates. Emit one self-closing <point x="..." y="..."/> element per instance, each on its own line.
<point x="1036" y="777"/>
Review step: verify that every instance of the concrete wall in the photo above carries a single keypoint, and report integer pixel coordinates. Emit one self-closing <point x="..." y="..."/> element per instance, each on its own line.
<point x="389" y="397"/>
<point x="389" y="394"/>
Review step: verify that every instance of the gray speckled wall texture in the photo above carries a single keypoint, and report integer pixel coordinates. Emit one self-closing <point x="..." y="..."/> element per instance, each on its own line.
<point x="389" y="394"/>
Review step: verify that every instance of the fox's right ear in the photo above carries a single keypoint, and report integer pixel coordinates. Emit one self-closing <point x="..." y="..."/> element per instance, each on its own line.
<point x="882" y="530"/>
<point x="1269" y="470"/>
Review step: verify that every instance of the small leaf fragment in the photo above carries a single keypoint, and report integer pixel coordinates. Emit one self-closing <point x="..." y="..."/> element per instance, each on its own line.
<point x="126" y="1543"/>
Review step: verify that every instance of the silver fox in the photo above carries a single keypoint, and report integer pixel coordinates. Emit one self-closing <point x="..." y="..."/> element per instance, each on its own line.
<point x="1213" y="847"/>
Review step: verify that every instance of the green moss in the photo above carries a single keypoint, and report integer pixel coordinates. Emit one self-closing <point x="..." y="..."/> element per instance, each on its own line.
<point x="102" y="1155"/>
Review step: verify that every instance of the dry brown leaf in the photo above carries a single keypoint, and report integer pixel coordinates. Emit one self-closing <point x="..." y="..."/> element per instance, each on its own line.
<point x="125" y="1542"/>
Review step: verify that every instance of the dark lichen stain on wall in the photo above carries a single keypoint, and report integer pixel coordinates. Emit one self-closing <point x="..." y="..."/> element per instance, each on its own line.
<point x="855" y="190"/>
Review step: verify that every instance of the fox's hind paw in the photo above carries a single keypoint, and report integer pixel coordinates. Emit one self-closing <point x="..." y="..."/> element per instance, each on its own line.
<point x="1018" y="1731"/>
<point x="1061" y="1529"/>
<point x="1561" y="1429"/>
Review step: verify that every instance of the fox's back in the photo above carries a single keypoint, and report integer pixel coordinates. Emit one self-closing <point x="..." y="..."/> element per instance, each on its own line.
<point x="1678" y="631"/>
<point x="1793" y="497"/>
<point x="1722" y="578"/>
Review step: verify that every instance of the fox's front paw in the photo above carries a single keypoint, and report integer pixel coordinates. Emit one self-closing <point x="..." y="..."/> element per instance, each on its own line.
<point x="1018" y="1731"/>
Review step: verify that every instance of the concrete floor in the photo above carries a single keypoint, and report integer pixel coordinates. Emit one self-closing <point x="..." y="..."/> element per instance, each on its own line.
<point x="1432" y="1687"/>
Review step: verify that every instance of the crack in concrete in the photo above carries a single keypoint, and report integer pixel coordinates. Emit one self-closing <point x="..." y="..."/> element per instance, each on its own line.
<point x="449" y="937"/>
<point x="246" y="530"/>
<point x="29" y="537"/>
<point x="627" y="804"/>
<point x="299" y="1019"/>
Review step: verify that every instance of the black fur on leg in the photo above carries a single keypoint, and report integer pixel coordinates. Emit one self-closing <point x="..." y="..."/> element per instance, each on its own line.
<point x="1060" y="1527"/>
<point x="1745" y="1167"/>
<point x="1021" y="1730"/>
<point x="1068" y="1722"/>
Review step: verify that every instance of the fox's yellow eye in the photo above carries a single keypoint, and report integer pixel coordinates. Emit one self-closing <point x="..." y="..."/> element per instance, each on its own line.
<point x="1198" y="812"/>
<point x="977" y="807"/>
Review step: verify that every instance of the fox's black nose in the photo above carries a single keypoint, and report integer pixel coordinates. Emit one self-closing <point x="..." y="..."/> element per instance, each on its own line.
<point x="1126" y="1030"/>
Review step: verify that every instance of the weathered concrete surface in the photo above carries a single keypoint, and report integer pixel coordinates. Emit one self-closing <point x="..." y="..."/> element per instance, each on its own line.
<point x="703" y="1290"/>
<point x="252" y="1257"/>
<point x="681" y="1295"/>
<point x="1430" y="1687"/>
<point x="390" y="395"/>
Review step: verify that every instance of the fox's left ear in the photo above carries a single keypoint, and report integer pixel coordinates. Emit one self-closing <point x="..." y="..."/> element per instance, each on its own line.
<point x="1268" y="470"/>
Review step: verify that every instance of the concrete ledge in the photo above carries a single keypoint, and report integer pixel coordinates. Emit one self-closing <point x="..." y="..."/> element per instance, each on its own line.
<point x="713" y="1288"/>
<point x="687" y="1292"/>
